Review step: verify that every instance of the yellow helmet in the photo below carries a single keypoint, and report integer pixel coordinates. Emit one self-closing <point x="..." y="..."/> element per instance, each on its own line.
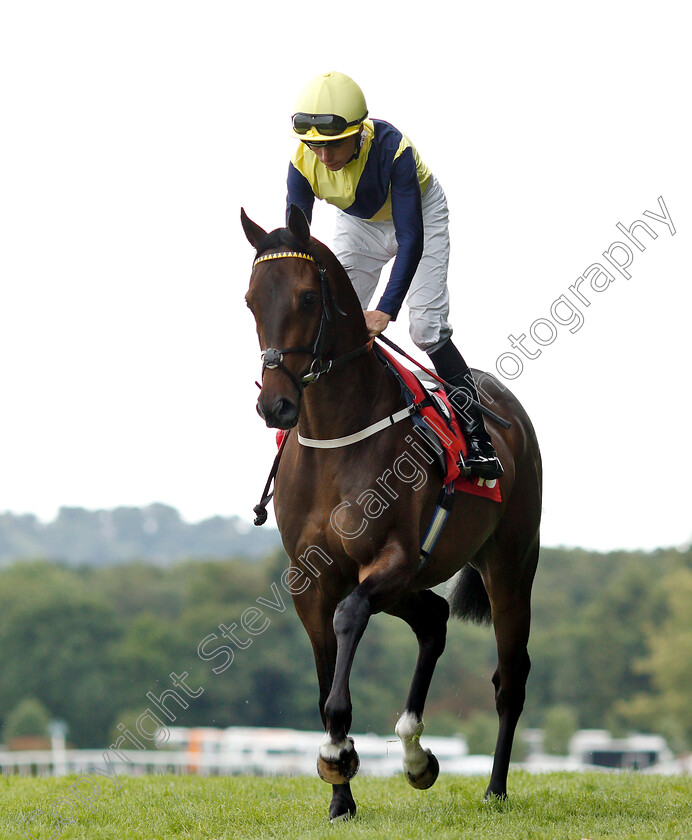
<point x="331" y="107"/>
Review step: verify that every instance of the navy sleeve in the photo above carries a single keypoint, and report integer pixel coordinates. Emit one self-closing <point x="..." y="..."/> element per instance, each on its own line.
<point x="407" y="215"/>
<point x="299" y="192"/>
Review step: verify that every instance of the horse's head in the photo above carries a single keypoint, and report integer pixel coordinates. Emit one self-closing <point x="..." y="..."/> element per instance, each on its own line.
<point x="293" y="299"/>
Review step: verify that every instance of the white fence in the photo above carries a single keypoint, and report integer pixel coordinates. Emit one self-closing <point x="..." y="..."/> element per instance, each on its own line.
<point x="232" y="751"/>
<point x="257" y="751"/>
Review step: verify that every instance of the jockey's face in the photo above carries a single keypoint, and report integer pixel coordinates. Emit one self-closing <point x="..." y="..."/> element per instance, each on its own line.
<point x="337" y="153"/>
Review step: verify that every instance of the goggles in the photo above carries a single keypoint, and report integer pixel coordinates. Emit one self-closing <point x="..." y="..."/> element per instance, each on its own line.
<point x="328" y="125"/>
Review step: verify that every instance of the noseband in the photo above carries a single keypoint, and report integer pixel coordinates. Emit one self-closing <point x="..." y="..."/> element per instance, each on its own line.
<point x="273" y="358"/>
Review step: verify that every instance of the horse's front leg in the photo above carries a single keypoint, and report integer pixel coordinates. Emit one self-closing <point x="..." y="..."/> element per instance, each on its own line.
<point x="426" y="613"/>
<point x="316" y="612"/>
<point x="383" y="583"/>
<point x="338" y="760"/>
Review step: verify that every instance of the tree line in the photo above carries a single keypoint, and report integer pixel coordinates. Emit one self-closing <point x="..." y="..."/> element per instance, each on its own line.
<point x="611" y="647"/>
<point x="155" y="533"/>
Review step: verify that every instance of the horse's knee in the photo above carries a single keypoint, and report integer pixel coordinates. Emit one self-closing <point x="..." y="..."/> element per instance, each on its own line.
<point x="433" y="634"/>
<point x="351" y="615"/>
<point x="434" y="642"/>
<point x="438" y="611"/>
<point x="440" y="625"/>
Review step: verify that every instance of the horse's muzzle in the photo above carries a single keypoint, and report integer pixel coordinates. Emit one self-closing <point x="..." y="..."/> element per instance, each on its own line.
<point x="280" y="414"/>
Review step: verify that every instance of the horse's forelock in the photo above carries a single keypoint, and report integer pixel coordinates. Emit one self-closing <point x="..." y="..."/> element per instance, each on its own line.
<point x="279" y="238"/>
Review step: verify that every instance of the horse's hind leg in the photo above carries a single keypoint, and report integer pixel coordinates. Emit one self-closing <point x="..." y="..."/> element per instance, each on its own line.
<point x="510" y="598"/>
<point x="426" y="613"/>
<point x="316" y="614"/>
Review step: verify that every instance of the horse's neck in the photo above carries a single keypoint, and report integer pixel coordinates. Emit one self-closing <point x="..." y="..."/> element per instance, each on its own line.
<point x="347" y="399"/>
<point x="352" y="396"/>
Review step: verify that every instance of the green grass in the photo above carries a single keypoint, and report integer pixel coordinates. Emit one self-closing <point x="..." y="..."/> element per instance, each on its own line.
<point x="551" y="806"/>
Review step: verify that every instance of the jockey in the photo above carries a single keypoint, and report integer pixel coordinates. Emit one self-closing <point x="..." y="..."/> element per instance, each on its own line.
<point x="389" y="206"/>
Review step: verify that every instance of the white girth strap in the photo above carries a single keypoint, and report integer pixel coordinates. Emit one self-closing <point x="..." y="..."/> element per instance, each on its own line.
<point x="335" y="443"/>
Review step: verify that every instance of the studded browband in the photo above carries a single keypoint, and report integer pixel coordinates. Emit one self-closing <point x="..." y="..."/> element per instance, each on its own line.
<point x="280" y="254"/>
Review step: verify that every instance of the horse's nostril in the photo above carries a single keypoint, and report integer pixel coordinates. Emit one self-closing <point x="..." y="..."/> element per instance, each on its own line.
<point x="283" y="415"/>
<point x="279" y="413"/>
<point x="284" y="409"/>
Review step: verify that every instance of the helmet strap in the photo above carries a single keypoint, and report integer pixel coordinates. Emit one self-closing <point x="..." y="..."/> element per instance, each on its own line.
<point x="359" y="146"/>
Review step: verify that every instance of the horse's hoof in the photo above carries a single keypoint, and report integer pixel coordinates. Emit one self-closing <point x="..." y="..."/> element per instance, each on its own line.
<point x="342" y="817"/>
<point x="428" y="777"/>
<point x="340" y="770"/>
<point x="494" y="795"/>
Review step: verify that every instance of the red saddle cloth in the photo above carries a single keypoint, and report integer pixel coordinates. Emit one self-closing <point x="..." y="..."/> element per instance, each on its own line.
<point x="451" y="440"/>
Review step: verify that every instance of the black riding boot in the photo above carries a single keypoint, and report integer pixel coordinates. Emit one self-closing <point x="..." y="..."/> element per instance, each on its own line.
<point x="450" y="366"/>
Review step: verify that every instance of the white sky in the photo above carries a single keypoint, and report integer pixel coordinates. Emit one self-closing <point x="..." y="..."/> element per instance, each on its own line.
<point x="132" y="133"/>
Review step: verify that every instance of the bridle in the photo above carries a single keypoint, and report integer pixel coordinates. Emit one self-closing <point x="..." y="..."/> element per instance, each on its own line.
<point x="273" y="358"/>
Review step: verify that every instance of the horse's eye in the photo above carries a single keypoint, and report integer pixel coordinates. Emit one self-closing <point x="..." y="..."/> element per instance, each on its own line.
<point x="308" y="300"/>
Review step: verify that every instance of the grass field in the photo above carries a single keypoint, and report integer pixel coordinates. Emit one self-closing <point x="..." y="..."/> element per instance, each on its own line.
<point x="551" y="806"/>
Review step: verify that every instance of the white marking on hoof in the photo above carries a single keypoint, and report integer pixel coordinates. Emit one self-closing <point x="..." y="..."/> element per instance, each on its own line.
<point x="409" y="728"/>
<point x="331" y="750"/>
<point x="340" y="818"/>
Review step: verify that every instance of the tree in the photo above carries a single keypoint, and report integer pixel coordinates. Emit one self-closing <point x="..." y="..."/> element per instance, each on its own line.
<point x="55" y="633"/>
<point x="586" y="659"/>
<point x="29" y="717"/>
<point x="669" y="665"/>
<point x="559" y="724"/>
<point x="480" y="731"/>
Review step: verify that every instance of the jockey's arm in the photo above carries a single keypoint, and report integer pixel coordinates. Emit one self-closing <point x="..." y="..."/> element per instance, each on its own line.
<point x="407" y="215"/>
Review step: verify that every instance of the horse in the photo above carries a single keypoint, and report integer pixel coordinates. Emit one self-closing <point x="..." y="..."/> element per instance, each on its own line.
<point x="351" y="516"/>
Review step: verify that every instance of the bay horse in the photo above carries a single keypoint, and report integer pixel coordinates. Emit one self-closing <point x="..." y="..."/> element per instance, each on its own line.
<point x="352" y="516"/>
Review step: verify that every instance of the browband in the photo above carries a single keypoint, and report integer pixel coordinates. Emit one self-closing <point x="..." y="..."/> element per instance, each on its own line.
<point x="281" y="254"/>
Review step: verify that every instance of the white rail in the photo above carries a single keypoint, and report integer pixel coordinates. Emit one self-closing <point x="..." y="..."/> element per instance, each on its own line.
<point x="225" y="752"/>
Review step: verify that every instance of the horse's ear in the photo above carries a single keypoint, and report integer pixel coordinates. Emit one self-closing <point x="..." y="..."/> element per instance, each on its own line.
<point x="299" y="225"/>
<point x="255" y="234"/>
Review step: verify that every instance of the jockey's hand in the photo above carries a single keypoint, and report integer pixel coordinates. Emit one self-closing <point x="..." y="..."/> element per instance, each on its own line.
<point x="376" y="321"/>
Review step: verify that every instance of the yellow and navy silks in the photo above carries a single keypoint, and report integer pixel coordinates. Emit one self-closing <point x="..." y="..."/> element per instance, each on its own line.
<point x="385" y="182"/>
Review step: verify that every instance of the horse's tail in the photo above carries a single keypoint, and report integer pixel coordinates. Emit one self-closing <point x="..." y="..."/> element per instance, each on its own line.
<point x="467" y="597"/>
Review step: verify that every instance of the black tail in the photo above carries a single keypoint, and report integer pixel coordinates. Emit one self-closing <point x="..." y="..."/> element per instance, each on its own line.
<point x="468" y="599"/>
